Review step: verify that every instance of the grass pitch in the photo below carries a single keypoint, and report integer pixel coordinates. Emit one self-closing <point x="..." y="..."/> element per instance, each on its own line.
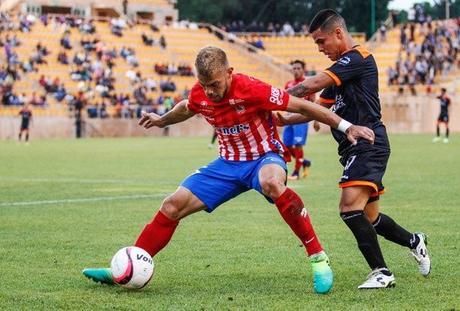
<point x="66" y="205"/>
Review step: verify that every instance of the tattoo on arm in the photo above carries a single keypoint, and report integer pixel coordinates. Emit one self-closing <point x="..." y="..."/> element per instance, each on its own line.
<point x="299" y="90"/>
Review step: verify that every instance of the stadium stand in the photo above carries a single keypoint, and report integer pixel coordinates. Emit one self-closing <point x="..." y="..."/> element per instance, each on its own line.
<point x="156" y="68"/>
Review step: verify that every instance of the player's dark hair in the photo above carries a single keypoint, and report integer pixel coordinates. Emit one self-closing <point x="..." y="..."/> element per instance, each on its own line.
<point x="298" y="61"/>
<point x="326" y="20"/>
<point x="209" y="60"/>
<point x="444" y="90"/>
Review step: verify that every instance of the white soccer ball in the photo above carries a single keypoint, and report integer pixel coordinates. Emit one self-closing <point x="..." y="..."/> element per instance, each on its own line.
<point x="132" y="267"/>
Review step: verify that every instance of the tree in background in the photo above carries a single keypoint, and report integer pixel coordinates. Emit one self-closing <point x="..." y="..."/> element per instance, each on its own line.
<point x="356" y="12"/>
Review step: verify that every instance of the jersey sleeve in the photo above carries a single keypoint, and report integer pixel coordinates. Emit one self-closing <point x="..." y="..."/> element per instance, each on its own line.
<point x="327" y="96"/>
<point x="193" y="100"/>
<point x="346" y="68"/>
<point x="267" y="97"/>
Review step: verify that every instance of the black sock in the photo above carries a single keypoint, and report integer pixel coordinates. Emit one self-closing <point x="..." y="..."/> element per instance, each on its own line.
<point x="27" y="137"/>
<point x="437" y="131"/>
<point x="20" y="136"/>
<point x="390" y="230"/>
<point x="366" y="237"/>
<point x="447" y="132"/>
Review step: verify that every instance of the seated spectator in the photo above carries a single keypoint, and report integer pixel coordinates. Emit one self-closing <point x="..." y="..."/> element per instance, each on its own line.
<point x="150" y="84"/>
<point x="60" y="93"/>
<point x="65" y="42"/>
<point x="185" y="70"/>
<point x="62" y="58"/>
<point x="258" y="43"/>
<point x="147" y="40"/>
<point x="41" y="49"/>
<point x="168" y="85"/>
<point x="287" y="30"/>
<point x="132" y="60"/>
<point x="163" y="42"/>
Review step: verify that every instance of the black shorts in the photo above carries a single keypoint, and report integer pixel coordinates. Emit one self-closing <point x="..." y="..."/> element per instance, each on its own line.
<point x="365" y="168"/>
<point x="443" y="118"/>
<point x="24" y="126"/>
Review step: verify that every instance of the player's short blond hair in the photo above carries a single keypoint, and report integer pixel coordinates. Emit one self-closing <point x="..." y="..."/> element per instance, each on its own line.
<point x="209" y="60"/>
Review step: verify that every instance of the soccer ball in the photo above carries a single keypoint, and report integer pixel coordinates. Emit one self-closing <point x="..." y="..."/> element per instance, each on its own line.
<point x="132" y="267"/>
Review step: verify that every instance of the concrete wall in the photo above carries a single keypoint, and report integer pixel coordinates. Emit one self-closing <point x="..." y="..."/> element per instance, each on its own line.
<point x="401" y="114"/>
<point x="64" y="127"/>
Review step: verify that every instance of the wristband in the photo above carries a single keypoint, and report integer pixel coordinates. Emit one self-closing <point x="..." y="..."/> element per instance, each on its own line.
<point x="344" y="125"/>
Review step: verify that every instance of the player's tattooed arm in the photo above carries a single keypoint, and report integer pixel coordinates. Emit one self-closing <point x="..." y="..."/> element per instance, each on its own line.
<point x="311" y="85"/>
<point x="298" y="90"/>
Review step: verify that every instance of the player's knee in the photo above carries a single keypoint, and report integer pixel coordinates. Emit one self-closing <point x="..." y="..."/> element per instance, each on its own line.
<point x="272" y="187"/>
<point x="346" y="207"/>
<point x="171" y="207"/>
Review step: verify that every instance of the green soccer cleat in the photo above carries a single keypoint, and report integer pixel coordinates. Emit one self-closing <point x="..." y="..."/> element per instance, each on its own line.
<point x="323" y="278"/>
<point x="99" y="275"/>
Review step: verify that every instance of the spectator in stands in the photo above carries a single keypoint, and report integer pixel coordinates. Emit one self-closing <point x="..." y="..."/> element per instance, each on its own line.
<point x="62" y="58"/>
<point x="150" y="84"/>
<point x="154" y="27"/>
<point x="185" y="70"/>
<point x="65" y="41"/>
<point x="287" y="30"/>
<point x="41" y="49"/>
<point x="168" y="85"/>
<point x="131" y="59"/>
<point x="147" y="40"/>
<point x="163" y="42"/>
<point x="60" y="93"/>
<point x="87" y="27"/>
<point x="257" y="42"/>
<point x="383" y="33"/>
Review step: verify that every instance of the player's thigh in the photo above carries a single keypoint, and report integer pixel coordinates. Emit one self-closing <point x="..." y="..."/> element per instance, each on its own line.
<point x="215" y="183"/>
<point x="181" y="203"/>
<point x="354" y="198"/>
<point x="372" y="211"/>
<point x="270" y="177"/>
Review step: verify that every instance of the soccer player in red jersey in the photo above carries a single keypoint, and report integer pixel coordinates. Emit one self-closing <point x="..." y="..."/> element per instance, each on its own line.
<point x="240" y="108"/>
<point x="295" y="135"/>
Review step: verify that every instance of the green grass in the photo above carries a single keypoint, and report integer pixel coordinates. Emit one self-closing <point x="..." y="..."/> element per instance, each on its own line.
<point x="242" y="256"/>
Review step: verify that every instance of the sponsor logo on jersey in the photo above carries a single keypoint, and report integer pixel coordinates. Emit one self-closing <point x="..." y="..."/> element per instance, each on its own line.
<point x="234" y="103"/>
<point x="276" y="96"/>
<point x="236" y="129"/>
<point x="344" y="60"/>
<point x="339" y="103"/>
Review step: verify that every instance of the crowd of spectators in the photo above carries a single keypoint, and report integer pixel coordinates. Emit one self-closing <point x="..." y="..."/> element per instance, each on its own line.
<point x="172" y="69"/>
<point x="286" y="29"/>
<point x="422" y="61"/>
<point x="90" y="62"/>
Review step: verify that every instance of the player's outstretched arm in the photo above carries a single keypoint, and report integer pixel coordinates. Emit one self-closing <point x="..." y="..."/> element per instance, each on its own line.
<point x="313" y="111"/>
<point x="179" y="113"/>
<point x="296" y="118"/>
<point x="311" y="85"/>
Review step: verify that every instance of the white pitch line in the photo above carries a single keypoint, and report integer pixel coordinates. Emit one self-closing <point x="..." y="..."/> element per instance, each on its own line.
<point x="88" y="181"/>
<point x="80" y="200"/>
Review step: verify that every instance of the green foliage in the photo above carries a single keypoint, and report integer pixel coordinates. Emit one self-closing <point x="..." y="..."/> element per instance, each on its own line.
<point x="356" y="12"/>
<point x="241" y="257"/>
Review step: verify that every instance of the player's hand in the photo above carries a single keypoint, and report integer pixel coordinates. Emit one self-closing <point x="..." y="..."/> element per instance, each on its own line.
<point x="280" y="120"/>
<point x="149" y="120"/>
<point x="316" y="126"/>
<point x="355" y="131"/>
